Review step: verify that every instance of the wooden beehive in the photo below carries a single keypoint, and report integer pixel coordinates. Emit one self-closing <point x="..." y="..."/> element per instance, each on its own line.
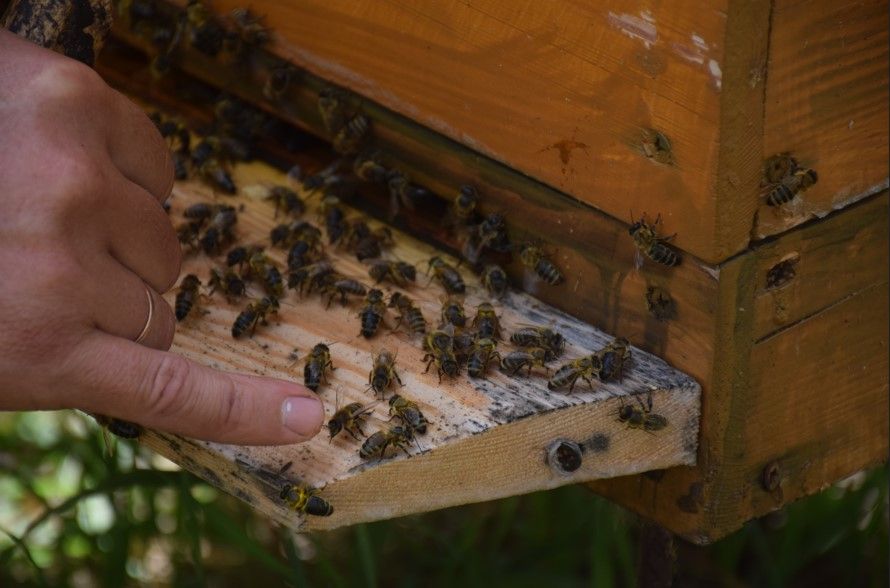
<point x="569" y="116"/>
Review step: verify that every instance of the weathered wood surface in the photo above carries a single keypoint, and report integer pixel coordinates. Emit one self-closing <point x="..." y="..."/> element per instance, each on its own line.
<point x="488" y="438"/>
<point x="826" y="102"/>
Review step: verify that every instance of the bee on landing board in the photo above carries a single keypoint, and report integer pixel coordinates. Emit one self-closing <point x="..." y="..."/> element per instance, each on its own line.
<point x="318" y="362"/>
<point x="372" y="314"/>
<point x="486" y="322"/>
<point x="255" y="313"/>
<point x="612" y="359"/>
<point x="409" y="413"/>
<point x="350" y="418"/>
<point x="448" y="277"/>
<point x="516" y="361"/>
<point x="568" y="374"/>
<point x="482" y="353"/>
<point x="399" y="273"/>
<point x="650" y="244"/>
<point x="453" y="313"/>
<point x="495" y="280"/>
<point x="533" y="336"/>
<point x="189" y="291"/>
<point x="297" y="497"/>
<point x="377" y="444"/>
<point x="383" y="373"/>
<point x="641" y="417"/>
<point x="409" y="313"/>
<point x="439" y="348"/>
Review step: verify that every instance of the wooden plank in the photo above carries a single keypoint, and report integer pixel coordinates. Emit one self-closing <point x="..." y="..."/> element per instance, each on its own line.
<point x="488" y="438"/>
<point x="821" y="264"/>
<point x="826" y="103"/>
<point x="816" y="410"/>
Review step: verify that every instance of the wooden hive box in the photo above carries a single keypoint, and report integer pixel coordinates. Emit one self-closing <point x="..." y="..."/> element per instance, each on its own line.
<point x="567" y="116"/>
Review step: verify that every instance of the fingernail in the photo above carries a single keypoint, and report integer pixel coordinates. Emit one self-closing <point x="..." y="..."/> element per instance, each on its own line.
<point x="302" y="415"/>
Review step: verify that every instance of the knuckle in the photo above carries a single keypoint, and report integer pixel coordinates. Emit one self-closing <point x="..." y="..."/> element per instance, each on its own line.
<point x="72" y="80"/>
<point x="167" y="388"/>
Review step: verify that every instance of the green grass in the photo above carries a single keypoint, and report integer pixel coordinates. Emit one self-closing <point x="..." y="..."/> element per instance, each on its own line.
<point x="72" y="514"/>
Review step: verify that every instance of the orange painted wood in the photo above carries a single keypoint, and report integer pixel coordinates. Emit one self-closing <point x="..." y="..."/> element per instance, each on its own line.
<point x="561" y="91"/>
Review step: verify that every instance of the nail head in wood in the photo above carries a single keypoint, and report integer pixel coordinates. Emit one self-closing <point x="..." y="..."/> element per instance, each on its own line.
<point x="564" y="456"/>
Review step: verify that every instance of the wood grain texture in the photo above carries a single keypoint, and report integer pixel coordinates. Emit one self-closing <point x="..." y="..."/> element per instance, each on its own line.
<point x="826" y="102"/>
<point x="487" y="439"/>
<point x="560" y="91"/>
<point x="828" y="265"/>
<point x="817" y="406"/>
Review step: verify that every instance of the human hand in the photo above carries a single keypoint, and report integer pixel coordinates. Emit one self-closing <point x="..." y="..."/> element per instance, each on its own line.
<point x="83" y="239"/>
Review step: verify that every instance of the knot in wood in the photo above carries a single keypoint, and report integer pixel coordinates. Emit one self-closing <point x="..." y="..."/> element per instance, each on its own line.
<point x="564" y="456"/>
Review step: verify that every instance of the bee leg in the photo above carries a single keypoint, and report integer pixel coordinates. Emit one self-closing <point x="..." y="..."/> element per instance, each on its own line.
<point x="351" y="434"/>
<point x="398" y="379"/>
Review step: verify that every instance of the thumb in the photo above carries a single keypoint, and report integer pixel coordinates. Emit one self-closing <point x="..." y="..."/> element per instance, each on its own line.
<point x="162" y="390"/>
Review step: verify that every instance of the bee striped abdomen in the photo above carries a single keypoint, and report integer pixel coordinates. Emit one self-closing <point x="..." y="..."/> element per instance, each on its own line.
<point x="664" y="255"/>
<point x="549" y="272"/>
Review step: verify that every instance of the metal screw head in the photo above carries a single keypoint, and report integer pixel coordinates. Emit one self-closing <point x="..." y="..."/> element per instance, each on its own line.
<point x="771" y="477"/>
<point x="564" y="456"/>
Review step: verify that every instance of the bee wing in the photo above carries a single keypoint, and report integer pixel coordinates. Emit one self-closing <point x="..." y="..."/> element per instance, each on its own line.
<point x="638" y="259"/>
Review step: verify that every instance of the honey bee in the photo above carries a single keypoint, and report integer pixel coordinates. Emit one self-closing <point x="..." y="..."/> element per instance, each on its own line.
<point x="445" y="360"/>
<point x="648" y="243"/>
<point x="490" y="233"/>
<point x="397" y="272"/>
<point x="262" y="267"/>
<point x="342" y="287"/>
<point x="313" y="275"/>
<point x="495" y="280"/>
<point x="249" y="30"/>
<point x="383" y="372"/>
<point x="483" y="351"/>
<point x="409" y="312"/>
<point x="299" y="255"/>
<point x="791" y="185"/>
<point x="463" y="207"/>
<point x="332" y="108"/>
<point x="612" y="358"/>
<point x="462" y="344"/>
<point x="237" y="256"/>
<point x="367" y="167"/>
<point x="660" y="304"/>
<point x="533" y="257"/>
<point x="205" y="34"/>
<point x="188" y="293"/>
<point x="316" y="365"/>
<point x="402" y="192"/>
<point x="486" y="322"/>
<point x="370" y="245"/>
<point x="542" y="337"/>
<point x="228" y="282"/>
<point x="350" y="418"/>
<point x="377" y="444"/>
<point x="179" y="141"/>
<point x="200" y="212"/>
<point x="305" y="500"/>
<point x="453" y="313"/>
<point x="409" y="413"/>
<point x="439" y="340"/>
<point x="642" y="417"/>
<point x="254" y="314"/>
<point x="205" y="159"/>
<point x="189" y="234"/>
<point x="334" y="219"/>
<point x="448" y="277"/>
<point x="279" y="80"/>
<point x="287" y="200"/>
<point x="214" y="240"/>
<point x="569" y="373"/>
<point x="372" y="314"/>
<point x="348" y="139"/>
<point x="515" y="361"/>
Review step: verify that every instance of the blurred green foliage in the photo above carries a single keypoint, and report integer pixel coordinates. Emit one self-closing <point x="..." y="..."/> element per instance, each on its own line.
<point x="73" y="515"/>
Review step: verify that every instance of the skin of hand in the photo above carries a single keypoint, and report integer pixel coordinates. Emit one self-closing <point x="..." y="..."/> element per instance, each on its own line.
<point x="83" y="174"/>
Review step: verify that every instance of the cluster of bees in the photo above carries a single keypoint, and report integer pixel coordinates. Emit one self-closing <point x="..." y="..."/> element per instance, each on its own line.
<point x="457" y="342"/>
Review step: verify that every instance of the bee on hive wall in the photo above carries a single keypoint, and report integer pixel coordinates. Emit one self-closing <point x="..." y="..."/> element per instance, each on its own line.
<point x="650" y="244"/>
<point x="641" y="417"/>
<point x="534" y="258"/>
